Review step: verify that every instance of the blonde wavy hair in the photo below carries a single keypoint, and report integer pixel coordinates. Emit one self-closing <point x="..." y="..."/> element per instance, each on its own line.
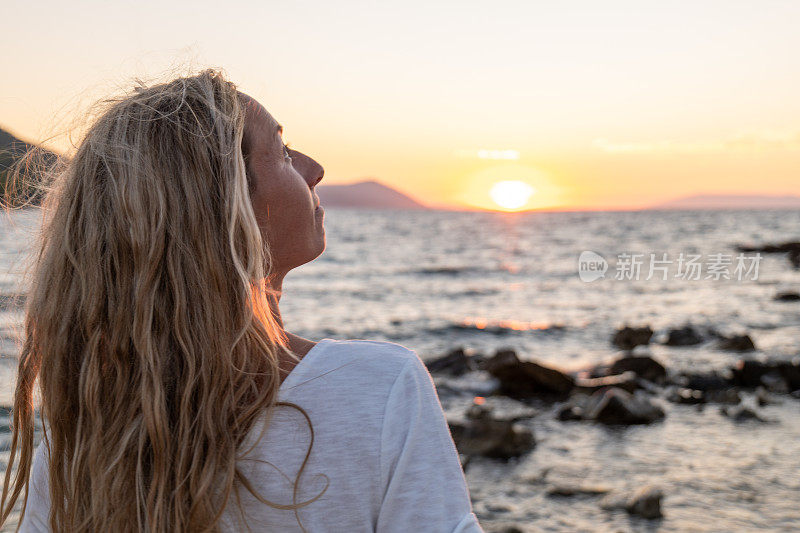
<point x="148" y="322"/>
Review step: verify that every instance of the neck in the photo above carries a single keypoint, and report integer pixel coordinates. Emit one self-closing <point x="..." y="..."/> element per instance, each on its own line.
<point x="275" y="290"/>
<point x="295" y="343"/>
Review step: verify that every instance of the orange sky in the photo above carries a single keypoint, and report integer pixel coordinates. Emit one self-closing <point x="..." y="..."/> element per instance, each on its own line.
<point x="594" y="105"/>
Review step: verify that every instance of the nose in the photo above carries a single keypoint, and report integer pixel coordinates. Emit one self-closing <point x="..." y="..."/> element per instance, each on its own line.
<point x="307" y="167"/>
<point x="314" y="172"/>
<point x="318" y="173"/>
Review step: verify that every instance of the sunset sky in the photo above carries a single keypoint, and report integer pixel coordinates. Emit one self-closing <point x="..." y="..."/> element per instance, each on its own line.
<point x="592" y="104"/>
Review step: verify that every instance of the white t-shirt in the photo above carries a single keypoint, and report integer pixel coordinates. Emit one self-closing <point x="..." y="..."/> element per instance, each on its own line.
<point x="381" y="444"/>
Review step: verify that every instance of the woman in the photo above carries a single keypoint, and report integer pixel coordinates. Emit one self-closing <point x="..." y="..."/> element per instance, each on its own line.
<point x="173" y="399"/>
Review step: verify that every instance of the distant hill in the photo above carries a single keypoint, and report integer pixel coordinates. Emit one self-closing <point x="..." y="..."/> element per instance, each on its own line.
<point x="365" y="194"/>
<point x="11" y="149"/>
<point x="732" y="201"/>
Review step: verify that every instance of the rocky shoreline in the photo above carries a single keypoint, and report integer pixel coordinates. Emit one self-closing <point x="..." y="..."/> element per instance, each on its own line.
<point x="628" y="390"/>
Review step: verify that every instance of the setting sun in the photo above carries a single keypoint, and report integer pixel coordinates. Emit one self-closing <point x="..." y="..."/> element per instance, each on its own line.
<point x="511" y="194"/>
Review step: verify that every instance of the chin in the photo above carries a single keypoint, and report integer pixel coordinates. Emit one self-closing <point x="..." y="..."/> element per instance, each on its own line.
<point x="321" y="247"/>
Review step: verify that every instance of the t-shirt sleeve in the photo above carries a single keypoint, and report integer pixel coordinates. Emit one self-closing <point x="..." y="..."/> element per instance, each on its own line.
<point x="424" y="488"/>
<point x="37" y="510"/>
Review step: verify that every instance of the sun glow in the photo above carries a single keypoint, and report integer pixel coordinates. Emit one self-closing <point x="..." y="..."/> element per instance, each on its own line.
<point x="511" y="194"/>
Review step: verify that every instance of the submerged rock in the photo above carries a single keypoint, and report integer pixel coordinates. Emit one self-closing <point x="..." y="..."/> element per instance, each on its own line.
<point x="626" y="381"/>
<point x="737" y="343"/>
<point x="629" y="338"/>
<point x="777" y="376"/>
<point x="791" y="249"/>
<point x="704" y="382"/>
<point x="787" y="296"/>
<point x="612" y="406"/>
<point x="794" y="258"/>
<point x="455" y="363"/>
<point x="570" y="411"/>
<point x="645" y="502"/>
<point x="568" y="489"/>
<point x="645" y="367"/>
<point x="763" y="397"/>
<point x="482" y="434"/>
<point x="616" y="406"/>
<point x="785" y="247"/>
<point x="510" y="529"/>
<point x="742" y="414"/>
<point x="526" y="379"/>
<point x="686" y="396"/>
<point x="726" y="396"/>
<point x="685" y="336"/>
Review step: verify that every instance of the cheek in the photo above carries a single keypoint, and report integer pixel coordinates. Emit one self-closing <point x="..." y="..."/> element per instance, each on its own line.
<point x="283" y="208"/>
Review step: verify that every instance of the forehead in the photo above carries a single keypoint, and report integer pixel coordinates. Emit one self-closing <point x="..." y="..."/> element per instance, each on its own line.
<point x="260" y="126"/>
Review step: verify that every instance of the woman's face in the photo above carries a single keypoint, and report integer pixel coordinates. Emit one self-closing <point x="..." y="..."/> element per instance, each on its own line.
<point x="282" y="191"/>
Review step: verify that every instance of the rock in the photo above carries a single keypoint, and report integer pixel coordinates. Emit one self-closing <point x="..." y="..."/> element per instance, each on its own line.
<point x="786" y="247"/>
<point x="455" y="363"/>
<point x="686" y="396"/>
<point x="704" y="388"/>
<point x="741" y="414"/>
<point x="616" y="406"/>
<point x="737" y="343"/>
<point x="704" y="382"/>
<point x="567" y="490"/>
<point x="685" y="336"/>
<point x="629" y="338"/>
<point x="526" y="379"/>
<point x="763" y="397"/>
<point x="625" y="381"/>
<point x="778" y="376"/>
<point x="570" y="412"/>
<point x="499" y="508"/>
<point x="774" y="382"/>
<point x="790" y="371"/>
<point x="726" y="396"/>
<point x="479" y="360"/>
<point x="481" y="434"/>
<point x="794" y="258"/>
<point x="538" y="478"/>
<point x="614" y="501"/>
<point x="645" y="367"/>
<point x="510" y="529"/>
<point x="792" y="249"/>
<point x="645" y="502"/>
<point x="787" y="296"/>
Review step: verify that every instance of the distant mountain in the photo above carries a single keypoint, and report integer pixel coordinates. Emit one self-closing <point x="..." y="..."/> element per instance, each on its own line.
<point x="365" y="194"/>
<point x="11" y="149"/>
<point x="732" y="201"/>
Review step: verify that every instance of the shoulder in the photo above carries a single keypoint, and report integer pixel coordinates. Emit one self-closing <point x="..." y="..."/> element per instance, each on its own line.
<point x="370" y="348"/>
<point x="368" y="366"/>
<point x="391" y="358"/>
